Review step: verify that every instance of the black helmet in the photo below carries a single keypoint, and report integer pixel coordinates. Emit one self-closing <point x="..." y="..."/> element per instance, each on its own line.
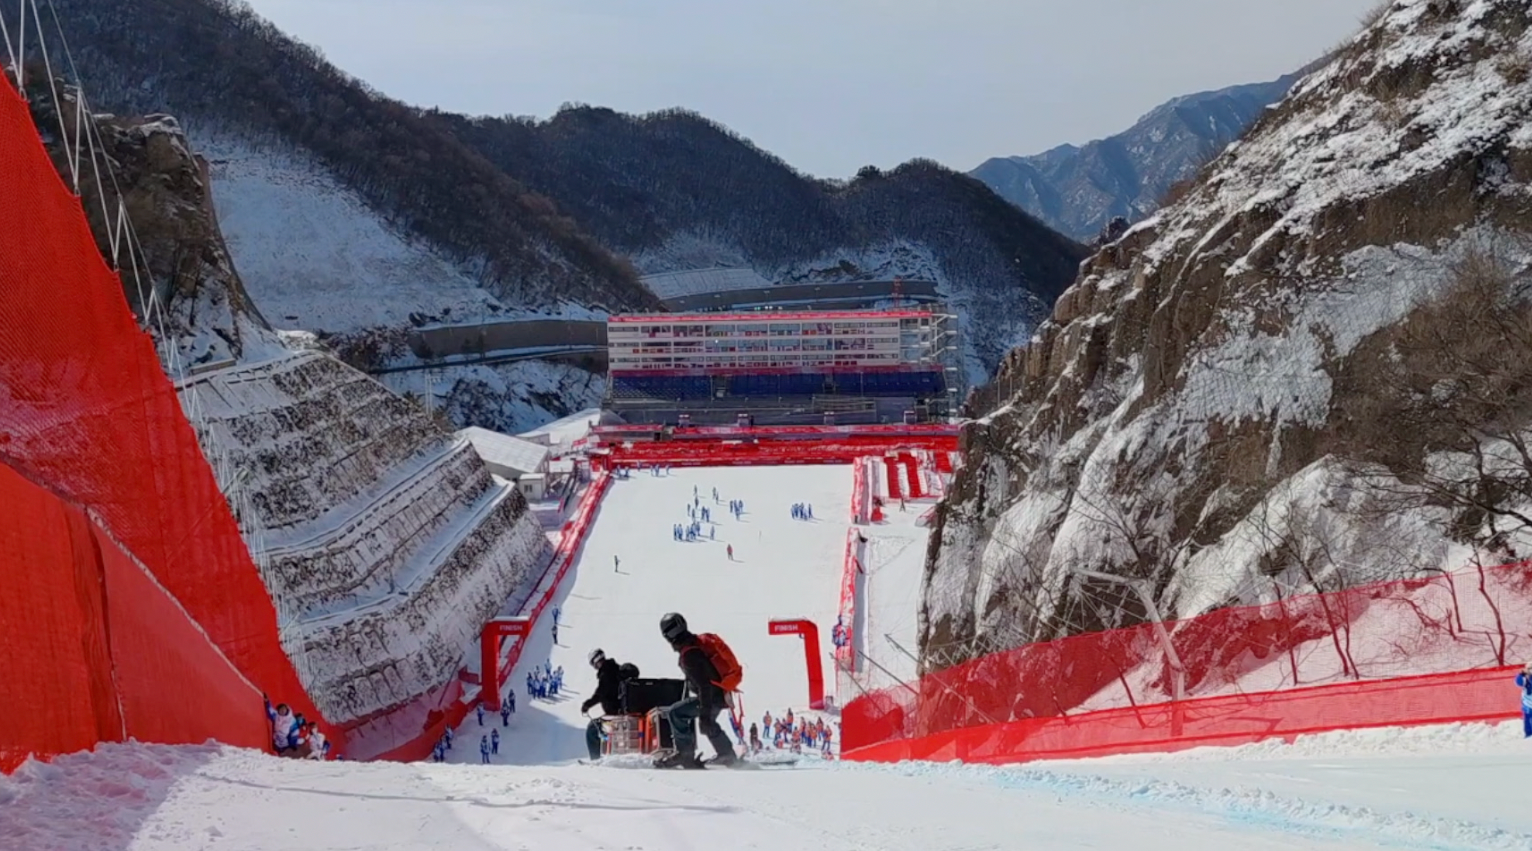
<point x="597" y="656"/>
<point x="672" y="626"/>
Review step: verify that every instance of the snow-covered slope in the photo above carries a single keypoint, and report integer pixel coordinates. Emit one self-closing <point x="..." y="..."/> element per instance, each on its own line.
<point x="384" y="541"/>
<point x="1295" y="349"/>
<point x="630" y="572"/>
<point x="316" y="256"/>
<point x="1452" y="788"/>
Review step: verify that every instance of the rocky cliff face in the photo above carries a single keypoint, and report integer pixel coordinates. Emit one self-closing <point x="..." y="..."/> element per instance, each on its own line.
<point x="177" y="274"/>
<point x="1310" y="372"/>
<point x="1078" y="190"/>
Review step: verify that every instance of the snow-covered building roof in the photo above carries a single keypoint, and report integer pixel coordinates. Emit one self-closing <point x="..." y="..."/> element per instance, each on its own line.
<point x="506" y="455"/>
<point x="668" y="285"/>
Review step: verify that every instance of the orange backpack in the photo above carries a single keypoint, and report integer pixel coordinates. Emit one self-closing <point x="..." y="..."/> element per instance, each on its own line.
<point x="730" y="672"/>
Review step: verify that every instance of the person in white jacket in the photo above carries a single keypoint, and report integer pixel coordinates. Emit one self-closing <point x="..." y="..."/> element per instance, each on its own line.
<point x="316" y="742"/>
<point x="283" y="725"/>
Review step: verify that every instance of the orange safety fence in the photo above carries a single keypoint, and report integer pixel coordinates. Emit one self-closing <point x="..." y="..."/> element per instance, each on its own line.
<point x="88" y="415"/>
<point x="850" y="573"/>
<point x="861" y="489"/>
<point x="1464" y="696"/>
<point x="95" y="649"/>
<point x="1428" y="650"/>
<point x="891" y="467"/>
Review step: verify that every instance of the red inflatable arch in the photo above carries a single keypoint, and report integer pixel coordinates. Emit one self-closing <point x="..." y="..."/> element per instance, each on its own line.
<point x="810" y="633"/>
<point x="489" y="658"/>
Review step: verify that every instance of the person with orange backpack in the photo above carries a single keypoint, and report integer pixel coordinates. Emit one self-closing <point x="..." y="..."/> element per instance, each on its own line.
<point x="712" y="674"/>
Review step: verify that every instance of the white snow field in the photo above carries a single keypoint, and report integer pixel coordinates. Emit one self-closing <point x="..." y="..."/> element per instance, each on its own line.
<point x="1445" y="788"/>
<point x="888" y="598"/>
<point x="782" y="568"/>
<point x="1449" y="788"/>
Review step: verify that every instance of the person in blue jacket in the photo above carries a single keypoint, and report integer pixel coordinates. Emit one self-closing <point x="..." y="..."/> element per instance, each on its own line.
<point x="1524" y="681"/>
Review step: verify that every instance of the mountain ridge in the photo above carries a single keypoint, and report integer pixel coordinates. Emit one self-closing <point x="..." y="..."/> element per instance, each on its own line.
<point x="1078" y="190"/>
<point x="673" y="189"/>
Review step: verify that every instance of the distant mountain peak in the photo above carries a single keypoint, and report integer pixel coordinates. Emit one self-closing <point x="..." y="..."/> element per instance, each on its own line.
<point x="1078" y="190"/>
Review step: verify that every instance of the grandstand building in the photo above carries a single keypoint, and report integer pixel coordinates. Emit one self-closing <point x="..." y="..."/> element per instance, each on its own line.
<point x="861" y="366"/>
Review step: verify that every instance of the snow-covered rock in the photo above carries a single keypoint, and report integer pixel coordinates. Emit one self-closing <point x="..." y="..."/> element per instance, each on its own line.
<point x="383" y="539"/>
<point x="1221" y="391"/>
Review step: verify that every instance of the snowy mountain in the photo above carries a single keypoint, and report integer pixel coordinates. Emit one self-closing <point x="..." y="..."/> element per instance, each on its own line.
<point x="1078" y="190"/>
<point x="675" y="191"/>
<point x="1310" y="372"/>
<point x="178" y="277"/>
<point x="343" y="209"/>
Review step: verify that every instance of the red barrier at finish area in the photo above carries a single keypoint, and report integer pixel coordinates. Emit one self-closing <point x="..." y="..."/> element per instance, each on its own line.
<point x="489" y="656"/>
<point x="1358" y="657"/>
<point x="859" y="491"/>
<point x="753" y="453"/>
<point x="810" y="633"/>
<point x="845" y="654"/>
<point x="912" y="475"/>
<point x="92" y="419"/>
<point x="573" y="539"/>
<point x="891" y="466"/>
<point x="70" y="681"/>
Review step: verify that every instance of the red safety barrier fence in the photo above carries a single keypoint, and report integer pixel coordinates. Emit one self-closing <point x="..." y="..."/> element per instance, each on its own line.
<point x="89" y="416"/>
<point x="891" y="467"/>
<point x="912" y="475"/>
<point x="1464" y="696"/>
<point x="860" y="491"/>
<point x="851" y="568"/>
<point x="564" y="555"/>
<point x="1414" y="651"/>
<point x="93" y="645"/>
<point x="747" y="453"/>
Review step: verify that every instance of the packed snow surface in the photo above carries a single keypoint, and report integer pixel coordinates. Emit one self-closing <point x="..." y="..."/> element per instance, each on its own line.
<point x="631" y="572"/>
<point x="1450" y="787"/>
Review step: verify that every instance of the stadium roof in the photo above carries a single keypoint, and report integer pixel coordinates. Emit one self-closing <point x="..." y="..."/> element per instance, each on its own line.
<point x="668" y="285"/>
<point x="502" y="450"/>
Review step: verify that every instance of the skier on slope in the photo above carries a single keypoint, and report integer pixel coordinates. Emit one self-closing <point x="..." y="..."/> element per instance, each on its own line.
<point x="699" y="664"/>
<point x="1524" y="680"/>
<point x="608" y="680"/>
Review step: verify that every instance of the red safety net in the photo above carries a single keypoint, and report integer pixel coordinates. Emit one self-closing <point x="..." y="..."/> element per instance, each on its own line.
<point x="1417" y="651"/>
<point x="88" y="415"/>
<point x="96" y="650"/>
<point x="891" y="467"/>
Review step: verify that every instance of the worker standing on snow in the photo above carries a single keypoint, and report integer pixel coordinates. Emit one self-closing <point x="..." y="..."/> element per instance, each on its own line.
<point x="1524" y="681"/>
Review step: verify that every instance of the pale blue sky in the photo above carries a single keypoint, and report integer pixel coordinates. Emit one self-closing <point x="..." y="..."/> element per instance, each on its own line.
<point x="828" y="85"/>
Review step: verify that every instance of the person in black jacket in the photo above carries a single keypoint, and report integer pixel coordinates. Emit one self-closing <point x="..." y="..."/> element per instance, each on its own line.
<point x="607" y="693"/>
<point x="700" y="707"/>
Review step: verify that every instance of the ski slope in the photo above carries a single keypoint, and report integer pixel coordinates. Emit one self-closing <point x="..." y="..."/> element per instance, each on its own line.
<point x="1450" y="788"/>
<point x="888" y="602"/>
<point x="782" y="568"/>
